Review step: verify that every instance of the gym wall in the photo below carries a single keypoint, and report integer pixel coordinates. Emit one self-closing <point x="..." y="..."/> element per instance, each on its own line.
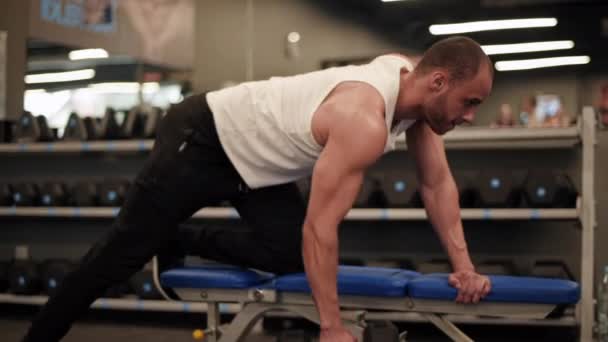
<point x="11" y="20"/>
<point x="222" y="37"/>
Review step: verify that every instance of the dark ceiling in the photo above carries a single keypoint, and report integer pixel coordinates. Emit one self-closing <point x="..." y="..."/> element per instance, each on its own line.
<point x="407" y="22"/>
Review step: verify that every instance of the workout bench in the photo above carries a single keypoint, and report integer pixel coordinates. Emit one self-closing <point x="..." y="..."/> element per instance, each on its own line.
<point x="384" y="291"/>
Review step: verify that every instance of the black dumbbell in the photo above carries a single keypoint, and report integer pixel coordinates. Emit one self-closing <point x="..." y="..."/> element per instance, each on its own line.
<point x="6" y="194"/>
<point x="53" y="273"/>
<point x="142" y="284"/>
<point x="549" y="189"/>
<point x="153" y="118"/>
<point x="27" y="129"/>
<point x="92" y="127"/>
<point x="4" y="274"/>
<point x="53" y="194"/>
<point x="401" y="190"/>
<point x="112" y="192"/>
<point x="111" y="125"/>
<point x="467" y="194"/>
<point x="46" y="133"/>
<point x="24" y="277"/>
<point x="497" y="189"/>
<point x="26" y="194"/>
<point x="85" y="194"/>
<point x="371" y="194"/>
<point x="380" y="331"/>
<point x="75" y="129"/>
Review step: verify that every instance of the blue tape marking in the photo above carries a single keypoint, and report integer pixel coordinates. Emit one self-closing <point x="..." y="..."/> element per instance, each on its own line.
<point x="142" y="145"/>
<point x="186" y="307"/>
<point x="384" y="214"/>
<point x="50" y="147"/>
<point x="85" y="146"/>
<point x="487" y="214"/>
<point x="111" y="146"/>
<point x="51" y="211"/>
<point x="223" y="308"/>
<point x="534" y="214"/>
<point x="76" y="212"/>
<point x="22" y="147"/>
<point x="103" y="304"/>
<point x="115" y="211"/>
<point x="13" y="210"/>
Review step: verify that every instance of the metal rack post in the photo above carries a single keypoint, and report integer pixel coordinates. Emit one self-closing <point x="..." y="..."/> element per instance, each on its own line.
<point x="588" y="221"/>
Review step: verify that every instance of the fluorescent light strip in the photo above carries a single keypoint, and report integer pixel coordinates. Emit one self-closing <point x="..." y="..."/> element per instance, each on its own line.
<point x="391" y="0"/>
<point x="66" y="76"/>
<point x="526" y="64"/>
<point x="88" y="54"/>
<point x="489" y="25"/>
<point x="125" y="87"/>
<point x="527" y="47"/>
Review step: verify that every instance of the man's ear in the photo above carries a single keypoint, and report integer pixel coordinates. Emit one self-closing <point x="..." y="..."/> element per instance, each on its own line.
<point x="439" y="81"/>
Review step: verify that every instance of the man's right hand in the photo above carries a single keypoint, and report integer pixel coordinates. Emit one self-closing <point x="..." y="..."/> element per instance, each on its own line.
<point x="338" y="334"/>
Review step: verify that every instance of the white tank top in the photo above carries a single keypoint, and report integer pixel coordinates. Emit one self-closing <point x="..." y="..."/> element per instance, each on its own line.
<point x="265" y="126"/>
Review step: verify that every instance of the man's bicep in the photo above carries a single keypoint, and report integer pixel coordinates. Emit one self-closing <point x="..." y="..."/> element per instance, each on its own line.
<point x="334" y="187"/>
<point x="338" y="173"/>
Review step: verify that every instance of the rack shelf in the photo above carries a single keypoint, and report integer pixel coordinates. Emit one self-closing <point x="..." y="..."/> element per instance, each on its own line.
<point x="135" y="304"/>
<point x="353" y="215"/>
<point x="460" y="138"/>
<point x="126" y="304"/>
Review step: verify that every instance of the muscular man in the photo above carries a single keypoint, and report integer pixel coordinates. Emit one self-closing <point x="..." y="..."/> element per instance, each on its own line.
<point x="248" y="144"/>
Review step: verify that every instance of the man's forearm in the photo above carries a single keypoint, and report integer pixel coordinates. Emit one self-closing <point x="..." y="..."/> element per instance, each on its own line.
<point x="443" y="210"/>
<point x="320" y="254"/>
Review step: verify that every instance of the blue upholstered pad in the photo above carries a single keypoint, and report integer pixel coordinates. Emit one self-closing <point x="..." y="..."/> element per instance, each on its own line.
<point x="504" y="289"/>
<point x="213" y="276"/>
<point x="356" y="281"/>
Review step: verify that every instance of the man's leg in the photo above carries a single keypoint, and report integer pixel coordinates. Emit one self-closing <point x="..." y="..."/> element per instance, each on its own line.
<point x="174" y="183"/>
<point x="271" y="240"/>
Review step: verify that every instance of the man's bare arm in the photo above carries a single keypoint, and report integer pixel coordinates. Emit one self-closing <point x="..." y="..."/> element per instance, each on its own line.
<point x="440" y="196"/>
<point x="353" y="144"/>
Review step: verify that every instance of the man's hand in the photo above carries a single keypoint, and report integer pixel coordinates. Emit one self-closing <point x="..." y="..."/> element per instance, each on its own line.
<point x="471" y="286"/>
<point x="338" y="334"/>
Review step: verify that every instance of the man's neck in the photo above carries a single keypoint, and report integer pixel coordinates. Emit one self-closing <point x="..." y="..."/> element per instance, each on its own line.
<point x="409" y="101"/>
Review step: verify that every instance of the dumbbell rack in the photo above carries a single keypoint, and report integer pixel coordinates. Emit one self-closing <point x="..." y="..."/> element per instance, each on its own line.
<point x="582" y="135"/>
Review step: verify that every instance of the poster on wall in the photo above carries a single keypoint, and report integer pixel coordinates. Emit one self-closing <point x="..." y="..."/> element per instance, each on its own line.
<point x="92" y="15"/>
<point x="155" y="31"/>
<point x="3" y="36"/>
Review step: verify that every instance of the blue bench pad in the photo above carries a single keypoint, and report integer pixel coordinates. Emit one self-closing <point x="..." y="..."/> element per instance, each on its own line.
<point x="213" y="276"/>
<point x="504" y="289"/>
<point x="356" y="281"/>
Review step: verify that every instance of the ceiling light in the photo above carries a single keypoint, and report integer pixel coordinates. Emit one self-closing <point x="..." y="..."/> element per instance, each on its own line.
<point x="527" y="64"/>
<point x="88" y="54"/>
<point x="66" y="76"/>
<point x="527" y="47"/>
<point x="489" y="25"/>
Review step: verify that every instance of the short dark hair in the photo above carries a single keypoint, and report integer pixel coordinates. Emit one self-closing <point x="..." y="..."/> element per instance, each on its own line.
<point x="460" y="56"/>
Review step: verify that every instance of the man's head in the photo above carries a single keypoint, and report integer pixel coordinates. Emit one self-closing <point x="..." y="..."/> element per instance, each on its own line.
<point x="456" y="76"/>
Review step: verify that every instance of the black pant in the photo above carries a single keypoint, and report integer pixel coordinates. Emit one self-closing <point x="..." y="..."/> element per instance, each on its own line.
<point x="187" y="170"/>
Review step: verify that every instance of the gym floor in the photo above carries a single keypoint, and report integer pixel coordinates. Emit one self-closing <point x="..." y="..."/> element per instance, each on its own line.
<point x="165" y="327"/>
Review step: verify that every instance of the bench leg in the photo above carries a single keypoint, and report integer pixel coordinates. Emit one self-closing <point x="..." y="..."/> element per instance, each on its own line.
<point x="249" y="315"/>
<point x="447" y="327"/>
<point x="213" y="322"/>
